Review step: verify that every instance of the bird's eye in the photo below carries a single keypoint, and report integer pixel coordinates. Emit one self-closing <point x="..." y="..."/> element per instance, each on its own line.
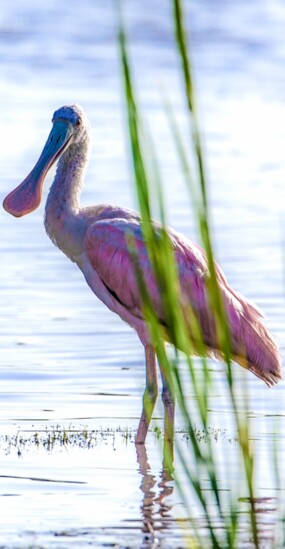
<point x="78" y="122"/>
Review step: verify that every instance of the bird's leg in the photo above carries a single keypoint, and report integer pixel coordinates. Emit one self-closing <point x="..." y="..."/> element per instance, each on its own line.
<point x="150" y="394"/>
<point x="168" y="400"/>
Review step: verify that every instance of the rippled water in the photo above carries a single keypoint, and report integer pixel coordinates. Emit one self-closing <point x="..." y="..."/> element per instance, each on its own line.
<point x="67" y="361"/>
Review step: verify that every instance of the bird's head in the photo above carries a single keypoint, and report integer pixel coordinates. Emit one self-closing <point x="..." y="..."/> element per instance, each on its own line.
<point x="72" y="117"/>
<point x="70" y="126"/>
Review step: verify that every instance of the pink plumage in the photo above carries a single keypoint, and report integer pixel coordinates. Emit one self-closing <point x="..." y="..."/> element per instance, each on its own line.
<point x="251" y="343"/>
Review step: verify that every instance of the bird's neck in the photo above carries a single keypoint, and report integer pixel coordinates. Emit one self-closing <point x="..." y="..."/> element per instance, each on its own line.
<point x="63" y="203"/>
<point x="66" y="188"/>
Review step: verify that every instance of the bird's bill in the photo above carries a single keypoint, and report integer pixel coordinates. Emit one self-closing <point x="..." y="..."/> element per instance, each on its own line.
<point x="27" y="196"/>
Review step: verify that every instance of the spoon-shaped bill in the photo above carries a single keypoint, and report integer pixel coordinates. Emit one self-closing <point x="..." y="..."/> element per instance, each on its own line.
<point x="27" y="196"/>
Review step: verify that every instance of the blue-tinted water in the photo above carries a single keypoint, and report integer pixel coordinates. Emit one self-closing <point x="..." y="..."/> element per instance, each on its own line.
<point x="65" y="359"/>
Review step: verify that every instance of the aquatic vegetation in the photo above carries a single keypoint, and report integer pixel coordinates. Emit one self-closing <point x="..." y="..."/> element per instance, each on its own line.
<point x="57" y="437"/>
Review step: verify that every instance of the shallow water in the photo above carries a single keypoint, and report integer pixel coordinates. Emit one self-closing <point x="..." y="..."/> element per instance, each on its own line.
<point x="66" y="361"/>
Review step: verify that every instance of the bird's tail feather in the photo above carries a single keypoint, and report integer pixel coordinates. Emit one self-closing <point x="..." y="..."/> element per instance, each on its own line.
<point x="253" y="347"/>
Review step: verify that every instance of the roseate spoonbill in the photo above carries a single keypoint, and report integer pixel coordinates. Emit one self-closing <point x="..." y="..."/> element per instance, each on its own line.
<point x="94" y="237"/>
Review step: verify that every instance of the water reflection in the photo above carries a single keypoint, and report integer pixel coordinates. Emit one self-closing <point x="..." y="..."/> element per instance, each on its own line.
<point x="156" y="512"/>
<point x="159" y="522"/>
<point x="265" y="510"/>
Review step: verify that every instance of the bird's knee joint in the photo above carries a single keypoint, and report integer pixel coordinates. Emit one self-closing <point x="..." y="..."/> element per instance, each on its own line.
<point x="150" y="394"/>
<point x="167" y="397"/>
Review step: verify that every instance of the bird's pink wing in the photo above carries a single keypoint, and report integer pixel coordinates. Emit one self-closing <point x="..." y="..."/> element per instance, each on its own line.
<point x="108" y="253"/>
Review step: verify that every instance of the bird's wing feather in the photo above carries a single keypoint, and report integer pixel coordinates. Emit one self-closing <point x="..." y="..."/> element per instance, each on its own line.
<point x="108" y="252"/>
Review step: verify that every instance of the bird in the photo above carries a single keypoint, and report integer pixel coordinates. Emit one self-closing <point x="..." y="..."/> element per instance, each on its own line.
<point x="95" y="238"/>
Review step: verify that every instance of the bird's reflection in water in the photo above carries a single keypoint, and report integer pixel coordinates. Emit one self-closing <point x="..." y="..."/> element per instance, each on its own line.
<point x="156" y="508"/>
<point x="265" y="510"/>
<point x="156" y="512"/>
